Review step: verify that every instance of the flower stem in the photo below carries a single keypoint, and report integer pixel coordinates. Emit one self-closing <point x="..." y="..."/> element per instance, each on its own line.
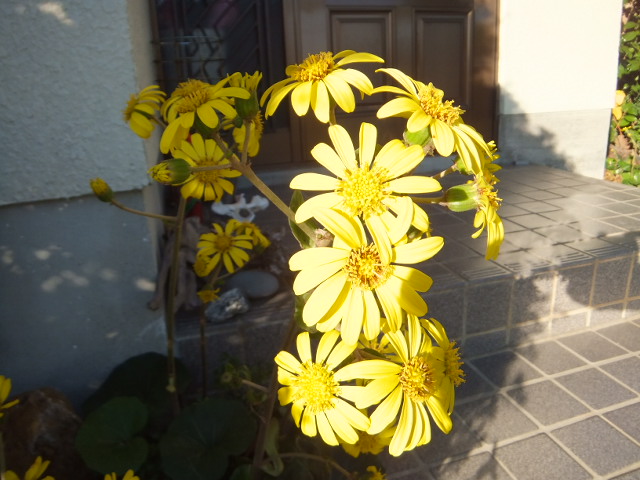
<point x="3" y="463"/>
<point x="453" y="168"/>
<point x="164" y="218"/>
<point x="428" y="199"/>
<point x="171" y="308"/>
<point x="251" y="384"/>
<point x="345" y="473"/>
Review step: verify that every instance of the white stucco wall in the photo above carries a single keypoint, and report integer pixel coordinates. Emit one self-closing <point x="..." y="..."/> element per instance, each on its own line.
<point x="557" y="77"/>
<point x="75" y="274"/>
<point x="66" y="75"/>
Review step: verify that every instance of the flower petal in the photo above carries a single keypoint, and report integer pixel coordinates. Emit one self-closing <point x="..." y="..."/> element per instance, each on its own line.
<point x="415" y="184"/>
<point x="310" y="206"/>
<point x="386" y="413"/>
<point x="300" y="98"/>
<point x="344" y="146"/>
<point x="313" y="181"/>
<point x="329" y="159"/>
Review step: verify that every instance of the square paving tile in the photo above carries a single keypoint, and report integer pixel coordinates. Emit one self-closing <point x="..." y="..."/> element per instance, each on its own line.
<point x="634" y="475"/>
<point x="592" y="346"/>
<point x="505" y="368"/>
<point x="626" y="370"/>
<point x="599" y="445"/>
<point x="473" y="385"/>
<point x="479" y="466"/>
<point x="460" y="440"/>
<point x="627" y="419"/>
<point x="547" y="402"/>
<point x="495" y="419"/>
<point x="595" y="388"/>
<point x="549" y="460"/>
<point x="625" y="334"/>
<point x="550" y="357"/>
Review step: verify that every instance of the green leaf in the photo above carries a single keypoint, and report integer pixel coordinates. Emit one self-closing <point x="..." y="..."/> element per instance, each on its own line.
<point x="200" y="440"/>
<point x="275" y="466"/>
<point x="143" y="376"/>
<point x="107" y="440"/>
<point x="303" y="239"/>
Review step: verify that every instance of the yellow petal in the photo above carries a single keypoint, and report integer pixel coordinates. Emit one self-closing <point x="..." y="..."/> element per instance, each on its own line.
<point x="378" y="389"/>
<point x="308" y="425"/>
<point x="208" y="115"/>
<point x="301" y="97"/>
<point x="367" y="142"/>
<point x="311" y="258"/>
<point x="344" y="146"/>
<point x="415" y="185"/>
<point x="309" y="208"/>
<point x="320" y="101"/>
<point x="368" y="369"/>
<point x="355" y="78"/>
<point x="287" y="361"/>
<point x="355" y="417"/>
<point x="398" y="161"/>
<point x="349" y="229"/>
<point x="285" y="395"/>
<point x="309" y="278"/>
<point x="443" y="137"/>
<point x="341" y="426"/>
<point x="359" y="57"/>
<point x="403" y="430"/>
<point x="386" y="413"/>
<point x="353" y="317"/>
<point x="313" y="181"/>
<point x="303" y="344"/>
<point x="339" y="354"/>
<point x="327" y="298"/>
<point x="371" y="316"/>
<point x="326" y="432"/>
<point x="402" y="78"/>
<point x="341" y="92"/>
<point x="329" y="159"/>
<point x="418" y="250"/>
<point x="398" y="107"/>
<point x="326" y="344"/>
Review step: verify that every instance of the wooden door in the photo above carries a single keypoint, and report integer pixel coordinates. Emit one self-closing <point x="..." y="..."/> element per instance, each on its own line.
<point x="451" y="43"/>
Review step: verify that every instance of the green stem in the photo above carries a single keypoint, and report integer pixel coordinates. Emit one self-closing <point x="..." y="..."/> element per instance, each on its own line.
<point x="3" y="463"/>
<point x="428" y="199"/>
<point x="164" y="218"/>
<point x="171" y="305"/>
<point x="442" y="174"/>
<point x="309" y="456"/>
<point x="251" y="384"/>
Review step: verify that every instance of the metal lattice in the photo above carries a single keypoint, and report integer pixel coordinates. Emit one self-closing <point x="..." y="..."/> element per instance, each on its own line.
<point x="208" y="39"/>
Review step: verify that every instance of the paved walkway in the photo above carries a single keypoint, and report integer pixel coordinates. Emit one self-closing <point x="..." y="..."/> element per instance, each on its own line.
<point x="550" y="334"/>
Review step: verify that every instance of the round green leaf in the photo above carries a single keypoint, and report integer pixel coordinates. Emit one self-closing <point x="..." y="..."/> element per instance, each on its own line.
<point x="107" y="440"/>
<point x="200" y="440"/>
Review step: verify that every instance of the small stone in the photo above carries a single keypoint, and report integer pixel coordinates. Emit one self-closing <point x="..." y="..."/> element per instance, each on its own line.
<point x="255" y="284"/>
<point x="230" y="303"/>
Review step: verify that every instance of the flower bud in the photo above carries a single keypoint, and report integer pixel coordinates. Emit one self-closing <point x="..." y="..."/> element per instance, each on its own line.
<point x="421" y="137"/>
<point x="175" y="171"/>
<point x="101" y="189"/>
<point x="461" y="198"/>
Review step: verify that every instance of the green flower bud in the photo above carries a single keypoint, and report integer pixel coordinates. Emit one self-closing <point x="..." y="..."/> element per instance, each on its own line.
<point x="421" y="137"/>
<point x="175" y="171"/>
<point x="249" y="107"/>
<point x="101" y="189"/>
<point x="461" y="198"/>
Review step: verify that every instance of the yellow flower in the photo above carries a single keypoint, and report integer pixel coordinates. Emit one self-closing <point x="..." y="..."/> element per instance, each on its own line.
<point x="350" y="278"/>
<point x="487" y="217"/>
<point x="141" y="110"/>
<point x="223" y="245"/>
<point x="194" y="101"/>
<point x="129" y="475"/>
<point x="374" y="473"/>
<point x="371" y="444"/>
<point x="423" y="106"/>
<point x="320" y="81"/>
<point x="619" y="100"/>
<point x="405" y="386"/>
<point x="251" y="229"/>
<point x="370" y="185"/>
<point x="256" y="127"/>
<point x="314" y="389"/>
<point x="453" y="373"/>
<point x="208" y="295"/>
<point x="174" y="171"/>
<point x="207" y="184"/>
<point x="101" y="189"/>
<point x="5" y="390"/>
<point x="247" y="108"/>
<point x="34" y="472"/>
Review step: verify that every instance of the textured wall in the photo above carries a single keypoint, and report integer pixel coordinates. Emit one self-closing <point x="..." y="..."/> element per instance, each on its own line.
<point x="67" y="72"/>
<point x="557" y="77"/>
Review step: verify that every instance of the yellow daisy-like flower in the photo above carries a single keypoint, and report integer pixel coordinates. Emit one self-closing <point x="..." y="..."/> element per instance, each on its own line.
<point x="247" y="108"/>
<point x="101" y="189"/>
<point x="374" y="473"/>
<point x="256" y="127"/>
<point x="251" y="229"/>
<point x="368" y="444"/>
<point x="406" y="386"/>
<point x="350" y="278"/>
<point x="315" y="390"/>
<point x="208" y="185"/>
<point x="141" y="110"/>
<point x="34" y="472"/>
<point x="5" y="390"/>
<point x="453" y="373"/>
<point x="319" y="81"/>
<point x="196" y="100"/>
<point x="423" y="106"/>
<point x="487" y="217"/>
<point x="370" y="185"/>
<point x="222" y="245"/>
<point x="208" y="295"/>
<point x="129" y="475"/>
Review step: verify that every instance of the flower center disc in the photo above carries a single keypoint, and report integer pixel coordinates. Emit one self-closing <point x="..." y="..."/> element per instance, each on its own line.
<point x="365" y="269"/>
<point x="432" y="104"/>
<point x="223" y="243"/>
<point x="315" y="67"/>
<point x="315" y="387"/>
<point x="363" y="192"/>
<point x="417" y="379"/>
<point x="194" y="93"/>
<point x="453" y="365"/>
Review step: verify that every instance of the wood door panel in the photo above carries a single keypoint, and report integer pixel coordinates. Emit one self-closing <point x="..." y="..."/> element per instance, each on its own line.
<point x="451" y="43"/>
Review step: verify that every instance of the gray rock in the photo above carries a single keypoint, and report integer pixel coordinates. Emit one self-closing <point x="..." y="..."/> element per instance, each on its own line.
<point x="230" y="303"/>
<point x="255" y="283"/>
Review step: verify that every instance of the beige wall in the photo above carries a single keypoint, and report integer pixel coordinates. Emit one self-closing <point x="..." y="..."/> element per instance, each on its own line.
<point x="557" y="76"/>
